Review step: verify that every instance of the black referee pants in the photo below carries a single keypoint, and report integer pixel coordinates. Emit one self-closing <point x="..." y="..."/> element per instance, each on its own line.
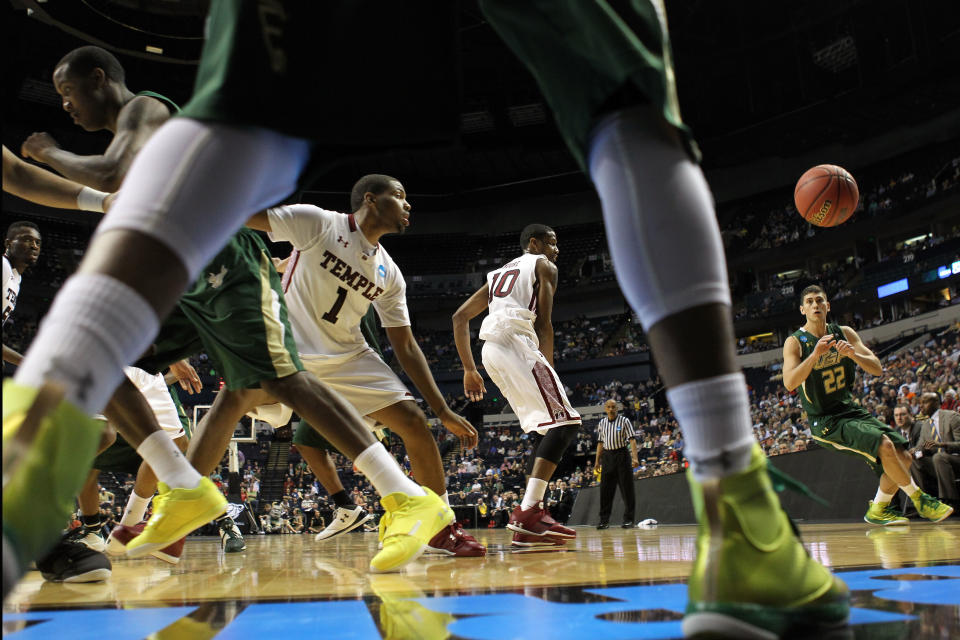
<point x="616" y="470"/>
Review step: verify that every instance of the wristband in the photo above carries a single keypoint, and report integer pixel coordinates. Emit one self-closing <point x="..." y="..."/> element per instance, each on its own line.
<point x="91" y="200"/>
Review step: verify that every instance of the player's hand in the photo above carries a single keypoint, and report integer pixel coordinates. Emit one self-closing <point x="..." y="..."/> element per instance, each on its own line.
<point x="473" y="386"/>
<point x="634" y="463"/>
<point x="824" y="344"/>
<point x="460" y="427"/>
<point x="187" y="376"/>
<point x="280" y="265"/>
<point x="37" y="145"/>
<point x="845" y="349"/>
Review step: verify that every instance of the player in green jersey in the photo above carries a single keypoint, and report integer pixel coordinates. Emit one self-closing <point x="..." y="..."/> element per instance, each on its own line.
<point x="821" y="360"/>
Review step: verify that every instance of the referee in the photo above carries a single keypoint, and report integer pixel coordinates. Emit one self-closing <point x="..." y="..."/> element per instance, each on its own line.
<point x="616" y="467"/>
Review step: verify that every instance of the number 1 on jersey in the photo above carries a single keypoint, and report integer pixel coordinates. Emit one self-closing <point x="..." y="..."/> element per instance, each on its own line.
<point x="331" y="316"/>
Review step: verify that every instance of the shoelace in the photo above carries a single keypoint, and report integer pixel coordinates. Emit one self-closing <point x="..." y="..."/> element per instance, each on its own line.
<point x="891" y="511"/>
<point x="926" y="500"/>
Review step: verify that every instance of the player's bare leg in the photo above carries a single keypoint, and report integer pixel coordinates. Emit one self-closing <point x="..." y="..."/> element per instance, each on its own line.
<point x="407" y="421"/>
<point x="213" y="433"/>
<point x="346" y="516"/>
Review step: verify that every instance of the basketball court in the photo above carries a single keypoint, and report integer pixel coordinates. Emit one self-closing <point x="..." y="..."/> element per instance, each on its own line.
<point x="615" y="583"/>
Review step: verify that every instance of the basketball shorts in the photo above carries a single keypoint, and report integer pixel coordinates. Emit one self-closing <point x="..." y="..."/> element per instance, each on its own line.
<point x="284" y="47"/>
<point x="855" y="432"/>
<point x="158" y="396"/>
<point x="365" y="381"/>
<point x="529" y="384"/>
<point x="236" y="313"/>
<point x="590" y="57"/>
<point x="121" y="457"/>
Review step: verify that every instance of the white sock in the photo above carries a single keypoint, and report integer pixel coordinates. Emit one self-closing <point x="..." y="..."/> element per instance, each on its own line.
<point x="910" y="489"/>
<point x="384" y="473"/>
<point x="714" y="415"/>
<point x="135" y="510"/>
<point x="168" y="464"/>
<point x="534" y="493"/>
<point x="882" y="498"/>
<point x="446" y="498"/>
<point x="95" y="327"/>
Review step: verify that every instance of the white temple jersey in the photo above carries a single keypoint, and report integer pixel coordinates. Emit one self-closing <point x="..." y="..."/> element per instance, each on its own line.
<point x="512" y="299"/>
<point x="333" y="276"/>
<point x="11" y="288"/>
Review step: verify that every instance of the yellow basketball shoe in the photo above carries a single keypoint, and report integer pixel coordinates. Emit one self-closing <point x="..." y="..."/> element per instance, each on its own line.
<point x="410" y="522"/>
<point x="884" y="514"/>
<point x="177" y="512"/>
<point x="752" y="578"/>
<point x="48" y="447"/>
<point x="401" y="616"/>
<point x="929" y="507"/>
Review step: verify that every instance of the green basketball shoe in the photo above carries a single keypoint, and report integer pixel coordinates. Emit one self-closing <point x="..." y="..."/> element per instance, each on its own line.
<point x="929" y="507"/>
<point x="752" y="577"/>
<point x="883" y="514"/>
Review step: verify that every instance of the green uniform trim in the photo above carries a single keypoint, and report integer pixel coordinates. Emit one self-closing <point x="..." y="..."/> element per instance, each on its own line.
<point x="172" y="106"/>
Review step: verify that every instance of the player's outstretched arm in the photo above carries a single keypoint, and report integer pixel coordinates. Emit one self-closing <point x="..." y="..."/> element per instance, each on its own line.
<point x="795" y="369"/>
<point x="32" y="183"/>
<point x="411" y="358"/>
<point x="852" y="347"/>
<point x="11" y="356"/>
<point x="138" y="120"/>
<point x="543" y="325"/>
<point x="473" y="386"/>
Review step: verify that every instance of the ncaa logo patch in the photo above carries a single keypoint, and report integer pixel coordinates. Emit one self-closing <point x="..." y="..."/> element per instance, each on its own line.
<point x="382" y="271"/>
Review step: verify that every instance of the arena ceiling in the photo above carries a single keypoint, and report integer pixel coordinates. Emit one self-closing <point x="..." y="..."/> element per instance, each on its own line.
<point x="755" y="78"/>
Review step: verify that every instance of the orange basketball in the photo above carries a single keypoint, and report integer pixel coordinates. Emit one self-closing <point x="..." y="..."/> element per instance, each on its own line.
<point x="826" y="195"/>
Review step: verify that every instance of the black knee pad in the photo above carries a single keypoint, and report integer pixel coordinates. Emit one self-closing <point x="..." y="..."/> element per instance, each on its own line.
<point x="556" y="442"/>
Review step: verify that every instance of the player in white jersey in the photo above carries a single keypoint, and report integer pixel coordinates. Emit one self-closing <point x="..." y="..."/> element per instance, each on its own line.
<point x="337" y="271"/>
<point x="21" y="249"/>
<point x="518" y="356"/>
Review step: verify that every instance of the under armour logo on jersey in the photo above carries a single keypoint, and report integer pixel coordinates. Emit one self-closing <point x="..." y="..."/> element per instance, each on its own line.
<point x="216" y="279"/>
<point x="345" y="243"/>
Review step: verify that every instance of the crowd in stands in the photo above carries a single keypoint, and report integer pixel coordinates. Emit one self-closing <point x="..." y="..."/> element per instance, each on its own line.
<point x="781" y="225"/>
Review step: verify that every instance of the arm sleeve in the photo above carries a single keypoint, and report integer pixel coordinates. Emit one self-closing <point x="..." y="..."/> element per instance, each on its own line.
<point x="631" y="432"/>
<point x="7" y="273"/>
<point x="298" y="224"/>
<point x="391" y="306"/>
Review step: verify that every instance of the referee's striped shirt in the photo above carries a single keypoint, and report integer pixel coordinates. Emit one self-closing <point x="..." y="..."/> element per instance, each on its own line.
<point x="616" y="434"/>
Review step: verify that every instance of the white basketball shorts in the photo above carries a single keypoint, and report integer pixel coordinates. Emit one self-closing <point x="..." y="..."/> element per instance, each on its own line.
<point x="529" y="383"/>
<point x="365" y="381"/>
<point x="158" y="397"/>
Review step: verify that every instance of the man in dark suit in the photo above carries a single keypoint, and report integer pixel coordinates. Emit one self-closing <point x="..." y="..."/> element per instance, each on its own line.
<point x="938" y="450"/>
<point x="909" y="429"/>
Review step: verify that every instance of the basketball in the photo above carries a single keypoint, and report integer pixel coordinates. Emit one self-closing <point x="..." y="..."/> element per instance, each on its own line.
<point x="826" y="195"/>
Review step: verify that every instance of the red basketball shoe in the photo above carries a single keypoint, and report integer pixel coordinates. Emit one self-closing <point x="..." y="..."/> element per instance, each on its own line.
<point x="526" y="541"/>
<point x="452" y="540"/>
<point x="122" y="534"/>
<point x="537" y="522"/>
